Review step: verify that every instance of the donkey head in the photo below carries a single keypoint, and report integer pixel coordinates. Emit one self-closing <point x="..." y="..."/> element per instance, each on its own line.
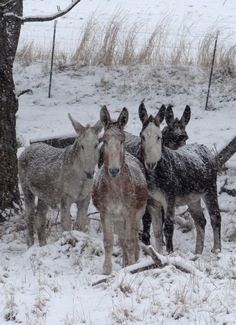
<point x="87" y="145"/>
<point x="151" y="136"/>
<point x="113" y="141"/>
<point x="174" y="134"/>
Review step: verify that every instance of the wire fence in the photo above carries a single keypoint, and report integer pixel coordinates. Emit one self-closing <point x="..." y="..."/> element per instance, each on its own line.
<point x="94" y="39"/>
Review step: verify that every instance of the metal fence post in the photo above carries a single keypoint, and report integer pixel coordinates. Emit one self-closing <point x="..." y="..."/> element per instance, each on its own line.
<point x="212" y="66"/>
<point x="52" y="58"/>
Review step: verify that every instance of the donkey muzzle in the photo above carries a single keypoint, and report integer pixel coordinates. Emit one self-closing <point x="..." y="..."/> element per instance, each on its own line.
<point x="114" y="171"/>
<point x="150" y="166"/>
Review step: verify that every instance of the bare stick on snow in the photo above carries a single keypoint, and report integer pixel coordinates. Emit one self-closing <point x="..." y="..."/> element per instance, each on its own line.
<point x="42" y="18"/>
<point x="25" y="91"/>
<point x="159" y="261"/>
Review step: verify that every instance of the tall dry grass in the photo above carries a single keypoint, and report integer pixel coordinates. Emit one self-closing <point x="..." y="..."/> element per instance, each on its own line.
<point x="117" y="43"/>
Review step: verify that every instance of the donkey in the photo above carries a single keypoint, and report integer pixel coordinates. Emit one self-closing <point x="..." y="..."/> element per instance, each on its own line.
<point x="174" y="135"/>
<point x="178" y="177"/>
<point x="59" y="176"/>
<point x="119" y="191"/>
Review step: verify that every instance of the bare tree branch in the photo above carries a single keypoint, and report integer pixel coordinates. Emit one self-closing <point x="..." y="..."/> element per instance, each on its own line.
<point x="42" y="18"/>
<point x="4" y="5"/>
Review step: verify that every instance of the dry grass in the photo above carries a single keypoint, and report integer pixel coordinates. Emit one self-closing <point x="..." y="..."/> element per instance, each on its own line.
<point x="116" y="43"/>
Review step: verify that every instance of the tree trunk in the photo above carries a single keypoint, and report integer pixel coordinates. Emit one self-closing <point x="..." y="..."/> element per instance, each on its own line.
<point x="9" y="36"/>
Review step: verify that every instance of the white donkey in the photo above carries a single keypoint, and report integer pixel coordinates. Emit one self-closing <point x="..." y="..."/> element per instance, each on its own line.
<point x="59" y="176"/>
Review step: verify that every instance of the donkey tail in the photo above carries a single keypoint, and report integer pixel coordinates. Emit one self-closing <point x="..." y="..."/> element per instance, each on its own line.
<point x="226" y="153"/>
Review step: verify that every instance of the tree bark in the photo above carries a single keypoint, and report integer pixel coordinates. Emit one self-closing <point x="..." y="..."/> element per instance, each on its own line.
<point x="9" y="36"/>
<point x="10" y="25"/>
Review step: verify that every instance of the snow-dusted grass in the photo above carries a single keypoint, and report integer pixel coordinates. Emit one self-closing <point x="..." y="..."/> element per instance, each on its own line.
<point x="118" y="43"/>
<point x="53" y="284"/>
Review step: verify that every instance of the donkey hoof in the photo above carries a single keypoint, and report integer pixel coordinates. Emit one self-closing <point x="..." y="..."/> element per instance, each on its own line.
<point x="42" y="243"/>
<point x="107" y="269"/>
<point x="216" y="250"/>
<point x="66" y="227"/>
<point x="30" y="242"/>
<point x="81" y="227"/>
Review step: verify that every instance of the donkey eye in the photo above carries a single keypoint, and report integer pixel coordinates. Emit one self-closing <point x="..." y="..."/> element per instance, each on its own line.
<point x="96" y="145"/>
<point x="142" y="137"/>
<point x="158" y="138"/>
<point x="82" y="147"/>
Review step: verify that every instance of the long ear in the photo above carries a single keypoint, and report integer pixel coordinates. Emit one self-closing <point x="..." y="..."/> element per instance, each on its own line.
<point x="169" y="115"/>
<point x="76" y="125"/>
<point x="105" y="116"/>
<point x="186" y="115"/>
<point x="160" y="115"/>
<point x="98" y="127"/>
<point x="143" y="115"/>
<point x="123" y="118"/>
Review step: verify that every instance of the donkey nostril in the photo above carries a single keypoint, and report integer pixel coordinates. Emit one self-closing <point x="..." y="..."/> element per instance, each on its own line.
<point x="114" y="171"/>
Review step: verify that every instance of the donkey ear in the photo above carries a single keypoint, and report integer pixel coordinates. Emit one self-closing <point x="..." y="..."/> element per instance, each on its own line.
<point x="186" y="115"/>
<point x="76" y="125"/>
<point x="105" y="116"/>
<point x="98" y="127"/>
<point x="169" y="115"/>
<point x="123" y="118"/>
<point x="160" y="115"/>
<point x="143" y="115"/>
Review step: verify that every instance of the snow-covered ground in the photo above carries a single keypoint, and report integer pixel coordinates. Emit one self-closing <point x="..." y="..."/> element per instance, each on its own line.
<point x="53" y="284"/>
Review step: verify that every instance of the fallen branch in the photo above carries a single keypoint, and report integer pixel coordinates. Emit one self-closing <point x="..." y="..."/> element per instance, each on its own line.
<point x="104" y="280"/>
<point x="42" y="18"/>
<point x="159" y="261"/>
<point x="224" y="189"/>
<point x="178" y="262"/>
<point x="25" y="91"/>
<point x="184" y="222"/>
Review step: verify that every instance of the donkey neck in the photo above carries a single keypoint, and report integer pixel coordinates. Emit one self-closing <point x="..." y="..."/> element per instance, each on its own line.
<point x="73" y="154"/>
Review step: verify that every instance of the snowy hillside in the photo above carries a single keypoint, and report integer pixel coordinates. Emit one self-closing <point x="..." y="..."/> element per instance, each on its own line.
<point x="52" y="285"/>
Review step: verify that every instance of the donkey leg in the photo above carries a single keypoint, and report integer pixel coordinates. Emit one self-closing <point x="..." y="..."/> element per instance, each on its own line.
<point x="123" y="246"/>
<point x="65" y="214"/>
<point x="29" y="215"/>
<point x="107" y="242"/>
<point x="157" y="225"/>
<point x="146" y="220"/>
<point x="130" y="240"/>
<point x="169" y="225"/>
<point x="212" y="205"/>
<point x="42" y="210"/>
<point x="200" y="223"/>
<point x="136" y="228"/>
<point x="82" y="220"/>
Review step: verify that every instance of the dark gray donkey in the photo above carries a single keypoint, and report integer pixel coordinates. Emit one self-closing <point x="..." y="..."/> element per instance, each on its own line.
<point x="174" y="135"/>
<point x="178" y="177"/>
<point x="59" y="176"/>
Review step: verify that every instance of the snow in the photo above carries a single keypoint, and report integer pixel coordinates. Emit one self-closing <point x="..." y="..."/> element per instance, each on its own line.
<point x="53" y="284"/>
<point x="193" y="17"/>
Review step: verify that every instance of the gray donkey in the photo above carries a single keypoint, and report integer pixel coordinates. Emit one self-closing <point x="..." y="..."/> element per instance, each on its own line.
<point x="59" y="176"/>
<point x="178" y="177"/>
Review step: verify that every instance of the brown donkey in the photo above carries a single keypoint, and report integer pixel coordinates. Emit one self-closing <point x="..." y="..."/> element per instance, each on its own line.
<point x="119" y="192"/>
